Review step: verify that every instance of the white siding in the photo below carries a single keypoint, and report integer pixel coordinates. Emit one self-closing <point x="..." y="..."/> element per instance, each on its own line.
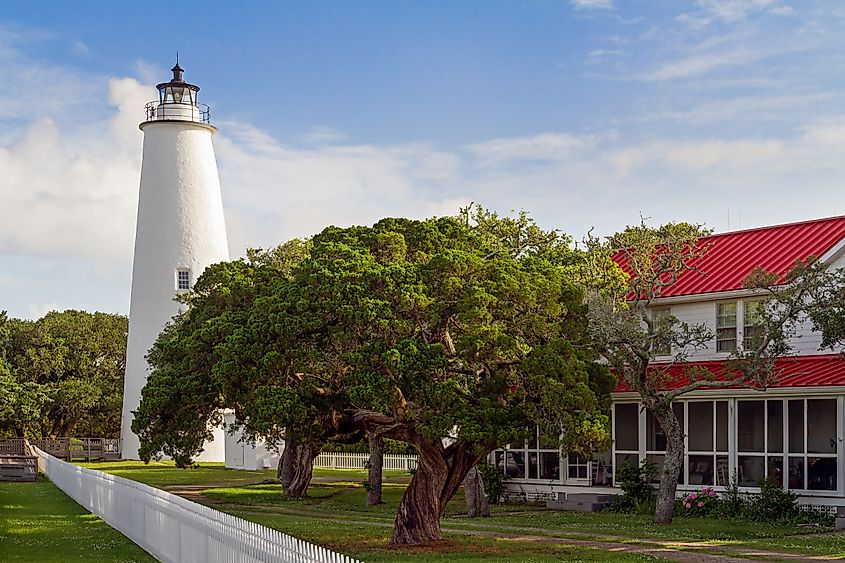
<point x="806" y="341"/>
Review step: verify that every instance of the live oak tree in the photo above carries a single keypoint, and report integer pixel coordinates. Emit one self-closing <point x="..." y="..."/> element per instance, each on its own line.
<point x="629" y="335"/>
<point x="64" y="373"/>
<point x="450" y="335"/>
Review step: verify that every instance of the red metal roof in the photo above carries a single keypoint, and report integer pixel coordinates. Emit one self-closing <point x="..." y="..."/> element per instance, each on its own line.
<point x="732" y="256"/>
<point x="824" y="370"/>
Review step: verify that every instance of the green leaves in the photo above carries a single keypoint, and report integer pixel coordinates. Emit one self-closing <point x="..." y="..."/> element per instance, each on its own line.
<point x="471" y="331"/>
<point x="68" y="366"/>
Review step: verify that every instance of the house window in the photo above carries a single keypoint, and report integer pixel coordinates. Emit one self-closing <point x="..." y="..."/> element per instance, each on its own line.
<point x="726" y="327"/>
<point x="183" y="279"/>
<point x="662" y="345"/>
<point x="752" y="328"/>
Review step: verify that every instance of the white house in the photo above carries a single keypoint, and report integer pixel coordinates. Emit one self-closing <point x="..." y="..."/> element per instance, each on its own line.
<point x="792" y="432"/>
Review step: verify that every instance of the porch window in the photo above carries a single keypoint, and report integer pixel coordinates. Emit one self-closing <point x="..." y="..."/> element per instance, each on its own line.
<point x="807" y="427"/>
<point x="707" y="439"/>
<point x="512" y="460"/>
<point x="626" y="418"/>
<point x="726" y="327"/>
<point x="544" y="456"/>
<point x="812" y="466"/>
<point x="656" y="439"/>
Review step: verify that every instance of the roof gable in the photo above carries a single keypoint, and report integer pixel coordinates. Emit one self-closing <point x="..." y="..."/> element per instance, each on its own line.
<point x="734" y="255"/>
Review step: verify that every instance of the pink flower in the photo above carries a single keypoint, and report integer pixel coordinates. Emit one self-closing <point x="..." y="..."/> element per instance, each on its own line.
<point x="687" y="505"/>
<point x="692" y="495"/>
<point x="700" y="504"/>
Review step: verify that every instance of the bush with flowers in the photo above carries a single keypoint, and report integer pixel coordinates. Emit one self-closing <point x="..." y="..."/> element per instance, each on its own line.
<point x="700" y="503"/>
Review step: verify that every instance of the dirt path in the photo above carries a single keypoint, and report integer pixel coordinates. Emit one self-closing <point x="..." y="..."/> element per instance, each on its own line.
<point x="691" y="551"/>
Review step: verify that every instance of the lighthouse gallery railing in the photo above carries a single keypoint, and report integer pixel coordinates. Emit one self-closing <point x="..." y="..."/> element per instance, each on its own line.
<point x="174" y="529"/>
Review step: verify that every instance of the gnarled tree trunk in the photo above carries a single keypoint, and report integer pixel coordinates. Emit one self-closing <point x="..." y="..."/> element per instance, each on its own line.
<point x="439" y="475"/>
<point x="477" y="502"/>
<point x="440" y="472"/>
<point x="672" y="463"/>
<point x="296" y="467"/>
<point x="374" y="476"/>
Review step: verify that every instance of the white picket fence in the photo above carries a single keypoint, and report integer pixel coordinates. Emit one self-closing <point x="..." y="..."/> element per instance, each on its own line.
<point x="393" y="462"/>
<point x="173" y="529"/>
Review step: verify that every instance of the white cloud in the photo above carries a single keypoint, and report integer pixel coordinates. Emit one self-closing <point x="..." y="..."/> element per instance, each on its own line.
<point x="323" y="135"/>
<point x="734" y="10"/>
<point x="701" y="63"/>
<point x="760" y="107"/>
<point x="544" y="146"/>
<point x="38" y="310"/>
<point x="273" y="192"/>
<point x="592" y="4"/>
<point x="782" y="11"/>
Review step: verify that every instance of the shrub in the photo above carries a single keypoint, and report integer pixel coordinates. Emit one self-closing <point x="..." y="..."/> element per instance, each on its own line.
<point x="700" y="503"/>
<point x="637" y="492"/>
<point x="732" y="503"/>
<point x="494" y="481"/>
<point x="772" y="503"/>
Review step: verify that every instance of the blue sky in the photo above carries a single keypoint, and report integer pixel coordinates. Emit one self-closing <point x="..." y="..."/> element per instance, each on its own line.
<point x="587" y="113"/>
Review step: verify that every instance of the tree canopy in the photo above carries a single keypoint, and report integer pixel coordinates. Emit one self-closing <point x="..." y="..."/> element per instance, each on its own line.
<point x="450" y="334"/>
<point x="63" y="374"/>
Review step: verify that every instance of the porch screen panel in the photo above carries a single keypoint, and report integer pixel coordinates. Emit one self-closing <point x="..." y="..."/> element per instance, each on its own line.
<point x="700" y="426"/>
<point x="627" y="420"/>
<point x="656" y="440"/>
<point x="750" y="426"/>
<point x="707" y="439"/>
<point x="722" y="426"/>
<point x="626" y="424"/>
<point x="751" y="442"/>
<point x="821" y="441"/>
<point x="774" y="425"/>
<point x="821" y="426"/>
<point x="796" y="425"/>
<point x="544" y="456"/>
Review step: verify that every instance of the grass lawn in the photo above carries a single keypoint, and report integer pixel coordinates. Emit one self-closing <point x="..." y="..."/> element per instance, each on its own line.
<point x="38" y="522"/>
<point x="335" y="515"/>
<point x="165" y="473"/>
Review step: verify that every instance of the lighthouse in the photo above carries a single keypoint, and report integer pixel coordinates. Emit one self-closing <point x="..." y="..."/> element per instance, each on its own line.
<point x="180" y="231"/>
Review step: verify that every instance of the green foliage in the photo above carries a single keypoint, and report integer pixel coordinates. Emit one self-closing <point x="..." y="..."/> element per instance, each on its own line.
<point x="772" y="503"/>
<point x="494" y="481"/>
<point x="445" y="329"/>
<point x="731" y="503"/>
<point x="64" y="374"/>
<point x="637" y="490"/>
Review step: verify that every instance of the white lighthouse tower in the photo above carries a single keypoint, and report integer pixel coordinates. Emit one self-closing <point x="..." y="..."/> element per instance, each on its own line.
<point x="180" y="231"/>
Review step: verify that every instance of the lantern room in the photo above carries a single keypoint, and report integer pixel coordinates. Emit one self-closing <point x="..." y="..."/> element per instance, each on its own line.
<point x="177" y="101"/>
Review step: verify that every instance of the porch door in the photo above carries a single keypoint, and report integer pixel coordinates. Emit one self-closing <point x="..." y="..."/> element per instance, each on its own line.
<point x="577" y="470"/>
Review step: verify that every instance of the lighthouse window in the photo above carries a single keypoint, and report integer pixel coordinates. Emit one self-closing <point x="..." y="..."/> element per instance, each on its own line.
<point x="183" y="280"/>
